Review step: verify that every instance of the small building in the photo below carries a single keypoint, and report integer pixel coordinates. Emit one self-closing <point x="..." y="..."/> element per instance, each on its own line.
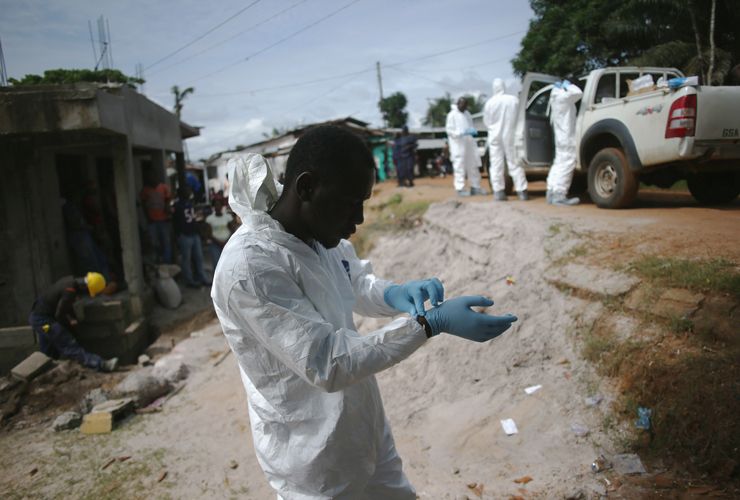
<point x="276" y="149"/>
<point x="78" y="153"/>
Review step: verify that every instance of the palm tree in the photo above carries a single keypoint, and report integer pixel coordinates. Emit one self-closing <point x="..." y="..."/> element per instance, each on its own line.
<point x="179" y="97"/>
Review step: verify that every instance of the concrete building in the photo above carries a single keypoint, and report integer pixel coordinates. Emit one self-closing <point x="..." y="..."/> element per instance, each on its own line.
<point x="81" y="149"/>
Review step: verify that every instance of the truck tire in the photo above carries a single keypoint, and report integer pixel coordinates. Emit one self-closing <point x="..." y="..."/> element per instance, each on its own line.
<point x="611" y="182"/>
<point x="714" y="188"/>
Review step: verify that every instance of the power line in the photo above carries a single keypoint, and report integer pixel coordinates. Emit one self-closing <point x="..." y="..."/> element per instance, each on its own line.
<point x="203" y="35"/>
<point x="358" y="72"/>
<point x="285" y="39"/>
<point x="230" y="38"/>
<point x="417" y="75"/>
<point x="456" y="49"/>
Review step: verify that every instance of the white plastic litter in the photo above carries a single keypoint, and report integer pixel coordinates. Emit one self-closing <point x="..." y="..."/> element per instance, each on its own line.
<point x="579" y="430"/>
<point x="532" y="389"/>
<point x="509" y="427"/>
<point x="644" y="82"/>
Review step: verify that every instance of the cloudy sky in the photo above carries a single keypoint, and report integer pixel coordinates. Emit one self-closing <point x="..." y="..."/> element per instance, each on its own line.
<point x="259" y="64"/>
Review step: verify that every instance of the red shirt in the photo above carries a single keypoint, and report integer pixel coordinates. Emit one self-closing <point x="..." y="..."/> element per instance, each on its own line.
<point x="156" y="202"/>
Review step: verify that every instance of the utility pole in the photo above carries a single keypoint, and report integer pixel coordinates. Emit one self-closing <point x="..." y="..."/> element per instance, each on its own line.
<point x="380" y="86"/>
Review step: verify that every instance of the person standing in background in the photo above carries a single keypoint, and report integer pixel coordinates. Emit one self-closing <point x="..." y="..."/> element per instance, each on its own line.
<point x="563" y="99"/>
<point x="188" y="240"/>
<point x="463" y="149"/>
<point x="155" y="198"/>
<point x="499" y="115"/>
<point x="219" y="223"/>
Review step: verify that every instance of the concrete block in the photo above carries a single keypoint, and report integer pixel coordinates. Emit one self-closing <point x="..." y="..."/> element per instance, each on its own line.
<point x="32" y="366"/>
<point x="109" y="310"/>
<point x="594" y="280"/>
<point x="97" y="423"/>
<point x="116" y="407"/>
<point x="99" y="330"/>
<point x="102" y="417"/>
<point x="17" y="336"/>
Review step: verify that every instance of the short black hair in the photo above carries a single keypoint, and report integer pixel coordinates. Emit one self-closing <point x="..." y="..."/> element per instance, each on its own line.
<point x="327" y="150"/>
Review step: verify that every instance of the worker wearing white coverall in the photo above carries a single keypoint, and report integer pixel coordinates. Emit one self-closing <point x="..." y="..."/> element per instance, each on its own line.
<point x="499" y="115"/>
<point x="563" y="99"/>
<point x="463" y="149"/>
<point x="285" y="289"/>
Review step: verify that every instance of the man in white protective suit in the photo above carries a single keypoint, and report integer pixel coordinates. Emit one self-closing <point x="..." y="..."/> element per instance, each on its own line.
<point x="463" y="149"/>
<point x="499" y="115"/>
<point x="285" y="289"/>
<point x="563" y="99"/>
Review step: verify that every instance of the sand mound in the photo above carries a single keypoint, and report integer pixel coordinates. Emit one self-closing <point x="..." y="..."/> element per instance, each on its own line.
<point x="445" y="403"/>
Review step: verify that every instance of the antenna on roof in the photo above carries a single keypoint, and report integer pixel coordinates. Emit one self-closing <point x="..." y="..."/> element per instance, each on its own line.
<point x="106" y="51"/>
<point x="140" y="76"/>
<point x="3" y="69"/>
<point x="92" y="42"/>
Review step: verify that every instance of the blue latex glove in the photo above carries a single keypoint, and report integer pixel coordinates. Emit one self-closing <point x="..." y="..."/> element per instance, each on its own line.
<point x="558" y="85"/>
<point x="566" y="84"/>
<point x="471" y="132"/>
<point x="455" y="317"/>
<point x="410" y="296"/>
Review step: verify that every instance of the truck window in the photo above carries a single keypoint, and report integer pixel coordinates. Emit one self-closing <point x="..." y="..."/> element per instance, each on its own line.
<point x="624" y="87"/>
<point x="538" y="105"/>
<point x="607" y="87"/>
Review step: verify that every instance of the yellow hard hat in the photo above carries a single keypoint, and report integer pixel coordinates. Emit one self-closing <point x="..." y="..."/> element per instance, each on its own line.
<point x="95" y="283"/>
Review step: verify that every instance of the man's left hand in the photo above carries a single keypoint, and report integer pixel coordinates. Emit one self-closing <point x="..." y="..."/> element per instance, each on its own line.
<point x="410" y="296"/>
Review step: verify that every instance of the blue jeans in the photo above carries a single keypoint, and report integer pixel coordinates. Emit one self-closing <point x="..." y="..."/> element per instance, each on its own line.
<point x="191" y="250"/>
<point x="59" y="342"/>
<point x="159" y="233"/>
<point x="214" y="249"/>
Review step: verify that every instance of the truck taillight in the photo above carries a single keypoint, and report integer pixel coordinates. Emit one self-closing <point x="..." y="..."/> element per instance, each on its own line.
<point x="681" y="117"/>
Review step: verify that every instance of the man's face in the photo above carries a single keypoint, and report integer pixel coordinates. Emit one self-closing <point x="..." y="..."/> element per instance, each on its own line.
<point x="336" y="207"/>
<point x="462" y="104"/>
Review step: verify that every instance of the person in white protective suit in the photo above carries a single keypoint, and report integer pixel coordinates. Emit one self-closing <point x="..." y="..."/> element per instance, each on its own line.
<point x="285" y="289"/>
<point x="463" y="149"/>
<point x="499" y="115"/>
<point x="563" y="99"/>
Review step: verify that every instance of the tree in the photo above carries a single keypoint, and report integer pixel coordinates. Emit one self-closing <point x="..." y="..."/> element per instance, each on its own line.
<point x="436" y="114"/>
<point x="62" y="76"/>
<point x="180" y="97"/>
<point x="392" y="108"/>
<point x="571" y="38"/>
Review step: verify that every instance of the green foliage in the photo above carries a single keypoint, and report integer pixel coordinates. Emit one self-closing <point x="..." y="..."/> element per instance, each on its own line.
<point x="437" y="111"/>
<point x="392" y="108"/>
<point x="574" y="37"/>
<point x="58" y="76"/>
<point x="436" y="114"/>
<point x="180" y="96"/>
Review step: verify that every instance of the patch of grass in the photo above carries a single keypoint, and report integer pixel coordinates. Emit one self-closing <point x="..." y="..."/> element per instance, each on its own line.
<point x="717" y="275"/>
<point x="681" y="325"/>
<point x="395" y="214"/>
<point x="554" y="229"/>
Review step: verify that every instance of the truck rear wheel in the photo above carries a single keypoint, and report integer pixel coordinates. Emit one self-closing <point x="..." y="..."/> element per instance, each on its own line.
<point x="611" y="182"/>
<point x="714" y="188"/>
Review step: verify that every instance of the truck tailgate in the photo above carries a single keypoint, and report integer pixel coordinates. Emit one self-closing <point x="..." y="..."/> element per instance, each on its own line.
<point x="718" y="114"/>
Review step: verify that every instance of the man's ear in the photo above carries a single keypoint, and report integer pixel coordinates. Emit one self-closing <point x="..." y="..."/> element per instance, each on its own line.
<point x="305" y="185"/>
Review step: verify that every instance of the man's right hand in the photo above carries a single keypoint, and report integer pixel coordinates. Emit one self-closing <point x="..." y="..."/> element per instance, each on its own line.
<point x="456" y="317"/>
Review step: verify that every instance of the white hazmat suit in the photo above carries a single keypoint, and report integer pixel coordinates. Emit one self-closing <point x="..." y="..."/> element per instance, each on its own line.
<point x="285" y="307"/>
<point x="463" y="149"/>
<point x="563" y="118"/>
<point x="499" y="115"/>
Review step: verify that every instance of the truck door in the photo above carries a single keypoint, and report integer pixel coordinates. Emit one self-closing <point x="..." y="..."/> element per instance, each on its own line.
<point x="536" y="131"/>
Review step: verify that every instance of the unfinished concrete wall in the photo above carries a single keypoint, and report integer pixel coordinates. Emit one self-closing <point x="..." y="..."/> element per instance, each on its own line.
<point x="33" y="248"/>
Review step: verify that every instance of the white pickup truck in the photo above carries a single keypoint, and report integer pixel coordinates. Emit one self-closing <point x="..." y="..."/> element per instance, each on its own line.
<point x="656" y="137"/>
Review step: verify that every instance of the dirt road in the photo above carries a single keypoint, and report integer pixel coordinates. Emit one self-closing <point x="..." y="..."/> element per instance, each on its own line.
<point x="446" y="401"/>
